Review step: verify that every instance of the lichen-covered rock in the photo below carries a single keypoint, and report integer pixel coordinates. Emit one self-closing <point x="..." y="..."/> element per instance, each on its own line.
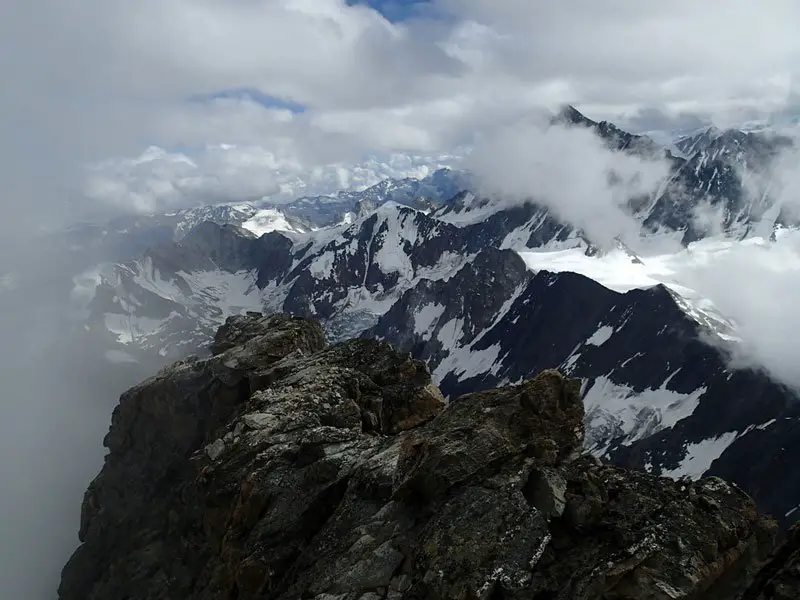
<point x="541" y="419"/>
<point x="780" y="577"/>
<point x="275" y="336"/>
<point x="280" y="468"/>
<point x="639" y="536"/>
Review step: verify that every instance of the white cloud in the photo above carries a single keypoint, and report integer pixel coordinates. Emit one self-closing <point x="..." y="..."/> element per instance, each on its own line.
<point x="709" y="218"/>
<point x="751" y="283"/>
<point x="754" y="284"/>
<point x="159" y="180"/>
<point x="683" y="54"/>
<point x="786" y="179"/>
<point x="570" y="170"/>
<point x="96" y="78"/>
<point x="322" y="53"/>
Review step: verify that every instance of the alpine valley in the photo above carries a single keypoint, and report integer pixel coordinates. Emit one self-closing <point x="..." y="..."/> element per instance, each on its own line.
<point x="488" y="293"/>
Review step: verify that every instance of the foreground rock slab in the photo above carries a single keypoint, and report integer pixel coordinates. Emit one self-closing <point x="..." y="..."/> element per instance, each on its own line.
<point x="780" y="577"/>
<point x="284" y="468"/>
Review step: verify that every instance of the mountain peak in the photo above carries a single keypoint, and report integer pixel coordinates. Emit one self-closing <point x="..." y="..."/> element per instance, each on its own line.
<point x="615" y="139"/>
<point x="569" y="115"/>
<point x="268" y="444"/>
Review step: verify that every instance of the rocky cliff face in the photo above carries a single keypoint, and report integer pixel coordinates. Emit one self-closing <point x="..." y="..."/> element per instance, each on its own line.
<point x="780" y="577"/>
<point x="284" y="468"/>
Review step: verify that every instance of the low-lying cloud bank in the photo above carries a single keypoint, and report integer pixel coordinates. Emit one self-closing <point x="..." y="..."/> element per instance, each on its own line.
<point x="751" y="283"/>
<point x="571" y="171"/>
<point x="755" y="284"/>
<point x="159" y="180"/>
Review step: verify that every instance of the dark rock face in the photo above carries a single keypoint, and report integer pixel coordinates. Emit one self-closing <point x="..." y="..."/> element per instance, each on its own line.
<point x="496" y="273"/>
<point x="431" y="191"/>
<point x="722" y="183"/>
<point x="642" y="342"/>
<point x="729" y="173"/>
<point x="764" y="462"/>
<point x="280" y="468"/>
<point x="236" y="332"/>
<point x="780" y="577"/>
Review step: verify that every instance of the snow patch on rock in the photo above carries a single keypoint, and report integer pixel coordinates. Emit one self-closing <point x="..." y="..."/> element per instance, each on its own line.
<point x="700" y="455"/>
<point x="614" y="410"/>
<point x="601" y="336"/>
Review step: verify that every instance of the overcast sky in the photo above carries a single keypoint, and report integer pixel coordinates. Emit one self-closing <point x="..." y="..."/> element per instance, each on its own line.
<point x="332" y="83"/>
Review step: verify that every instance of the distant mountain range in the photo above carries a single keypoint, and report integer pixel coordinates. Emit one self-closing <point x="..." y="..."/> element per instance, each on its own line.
<point x="471" y="285"/>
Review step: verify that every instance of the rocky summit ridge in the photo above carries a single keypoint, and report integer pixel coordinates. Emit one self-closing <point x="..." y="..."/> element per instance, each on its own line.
<point x="282" y="467"/>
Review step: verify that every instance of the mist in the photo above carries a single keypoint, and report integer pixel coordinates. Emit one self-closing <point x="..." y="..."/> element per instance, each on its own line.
<point x="571" y="171"/>
<point x="56" y="115"/>
<point x="752" y="283"/>
<point x="56" y="405"/>
<point x="755" y="285"/>
<point x="755" y="282"/>
<point x="786" y="175"/>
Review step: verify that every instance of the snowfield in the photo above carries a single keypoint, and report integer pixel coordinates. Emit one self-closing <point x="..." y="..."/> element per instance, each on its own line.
<point x="705" y="278"/>
<point x="269" y="220"/>
<point x="735" y="289"/>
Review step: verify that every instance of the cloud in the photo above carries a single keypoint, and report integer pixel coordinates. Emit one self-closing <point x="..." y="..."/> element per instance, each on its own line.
<point x="570" y="170"/>
<point x="660" y="119"/>
<point x="160" y="180"/>
<point x="55" y="405"/>
<point x="315" y="52"/>
<point x="785" y="178"/>
<point x="96" y="79"/>
<point x="99" y="79"/>
<point x="683" y="55"/>
<point x="195" y="172"/>
<point x="753" y="284"/>
<point x="709" y="218"/>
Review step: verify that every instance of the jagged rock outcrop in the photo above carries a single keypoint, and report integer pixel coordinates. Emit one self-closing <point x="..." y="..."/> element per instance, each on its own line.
<point x="780" y="577"/>
<point x="282" y="468"/>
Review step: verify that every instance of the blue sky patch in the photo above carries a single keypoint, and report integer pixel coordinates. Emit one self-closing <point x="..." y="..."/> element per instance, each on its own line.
<point x="394" y="10"/>
<point x="254" y="95"/>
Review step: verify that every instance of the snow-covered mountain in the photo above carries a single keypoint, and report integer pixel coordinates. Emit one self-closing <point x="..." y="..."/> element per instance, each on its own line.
<point x="697" y="141"/>
<point x="355" y="271"/>
<point x="615" y="138"/>
<point x="720" y="182"/>
<point x="658" y="387"/>
<point x="427" y="193"/>
<point x="724" y="185"/>
<point x="178" y="293"/>
<point x="127" y="236"/>
<point x="490" y="292"/>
